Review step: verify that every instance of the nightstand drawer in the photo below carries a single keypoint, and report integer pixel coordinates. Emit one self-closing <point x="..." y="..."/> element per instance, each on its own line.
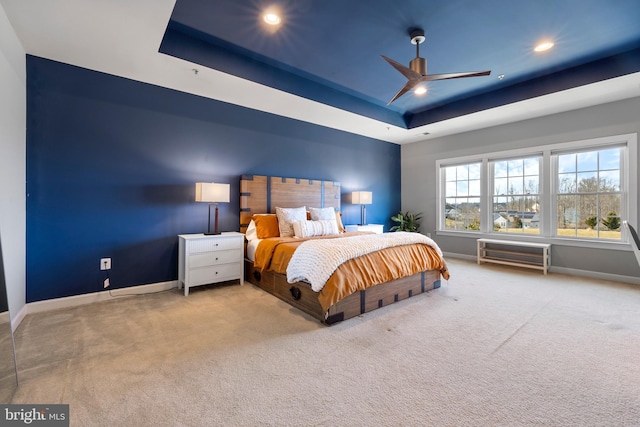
<point x="215" y="244"/>
<point x="213" y="258"/>
<point x="217" y="273"/>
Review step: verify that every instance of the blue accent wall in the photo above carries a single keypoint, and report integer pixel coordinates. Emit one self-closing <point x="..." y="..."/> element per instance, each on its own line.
<point x="112" y="163"/>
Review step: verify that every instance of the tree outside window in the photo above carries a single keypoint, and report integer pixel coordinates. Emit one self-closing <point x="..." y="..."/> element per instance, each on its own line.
<point x="516" y="198"/>
<point x="462" y="197"/>
<point x="589" y="195"/>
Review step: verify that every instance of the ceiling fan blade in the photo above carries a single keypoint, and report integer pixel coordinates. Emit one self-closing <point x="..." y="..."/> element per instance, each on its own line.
<point x="406" y="88"/>
<point x="407" y="72"/>
<point x="447" y="76"/>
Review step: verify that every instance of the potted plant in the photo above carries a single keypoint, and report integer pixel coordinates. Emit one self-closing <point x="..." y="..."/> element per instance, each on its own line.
<point x="406" y="221"/>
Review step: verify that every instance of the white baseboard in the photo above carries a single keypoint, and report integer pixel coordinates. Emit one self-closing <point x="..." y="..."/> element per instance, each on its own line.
<point x="595" y="275"/>
<point x="563" y="270"/>
<point x="18" y="318"/>
<point x="76" y="300"/>
<point x="459" y="256"/>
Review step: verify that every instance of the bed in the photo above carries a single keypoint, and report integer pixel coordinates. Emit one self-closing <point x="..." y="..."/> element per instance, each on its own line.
<point x="362" y="271"/>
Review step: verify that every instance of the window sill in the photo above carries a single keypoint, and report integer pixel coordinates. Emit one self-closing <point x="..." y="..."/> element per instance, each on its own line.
<point x="609" y="245"/>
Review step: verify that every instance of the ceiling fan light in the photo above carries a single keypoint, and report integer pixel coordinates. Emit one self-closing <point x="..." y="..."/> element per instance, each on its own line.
<point x="272" y="18"/>
<point x="420" y="90"/>
<point x="543" y="46"/>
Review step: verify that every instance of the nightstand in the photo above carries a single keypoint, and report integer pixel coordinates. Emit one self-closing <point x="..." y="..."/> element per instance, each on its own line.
<point x="376" y="228"/>
<point x="209" y="259"/>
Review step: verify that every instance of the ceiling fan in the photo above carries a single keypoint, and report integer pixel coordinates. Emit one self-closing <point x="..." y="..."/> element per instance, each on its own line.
<point x="417" y="71"/>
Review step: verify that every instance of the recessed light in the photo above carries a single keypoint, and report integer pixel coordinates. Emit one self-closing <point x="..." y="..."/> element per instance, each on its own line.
<point x="543" y="46"/>
<point x="272" y="18"/>
<point x="420" y="90"/>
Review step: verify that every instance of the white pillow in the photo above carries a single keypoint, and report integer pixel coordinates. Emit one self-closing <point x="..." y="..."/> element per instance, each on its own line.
<point x="315" y="228"/>
<point x="251" y="233"/>
<point x="319" y="214"/>
<point x="286" y="218"/>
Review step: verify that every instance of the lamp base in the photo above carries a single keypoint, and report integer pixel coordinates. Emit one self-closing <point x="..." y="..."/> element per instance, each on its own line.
<point x="363" y="215"/>
<point x="215" y="231"/>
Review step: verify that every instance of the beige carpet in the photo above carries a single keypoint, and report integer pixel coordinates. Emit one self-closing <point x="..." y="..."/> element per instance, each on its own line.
<point x="495" y="346"/>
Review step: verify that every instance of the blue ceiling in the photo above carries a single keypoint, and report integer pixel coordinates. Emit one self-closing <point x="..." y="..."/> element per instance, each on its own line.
<point x="329" y="51"/>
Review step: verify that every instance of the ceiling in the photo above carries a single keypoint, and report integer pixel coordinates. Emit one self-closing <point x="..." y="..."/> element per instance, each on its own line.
<point x="323" y="63"/>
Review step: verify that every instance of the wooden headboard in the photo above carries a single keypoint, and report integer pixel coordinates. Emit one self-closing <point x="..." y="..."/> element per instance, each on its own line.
<point x="261" y="194"/>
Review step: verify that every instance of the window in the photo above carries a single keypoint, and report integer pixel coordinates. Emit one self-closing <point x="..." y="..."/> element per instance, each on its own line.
<point x="580" y="191"/>
<point x="462" y="197"/>
<point x="516" y="202"/>
<point x="589" y="195"/>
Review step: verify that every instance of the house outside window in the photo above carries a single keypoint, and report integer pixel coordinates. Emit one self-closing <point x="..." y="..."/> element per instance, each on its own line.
<point x="462" y="197"/>
<point x="589" y="196"/>
<point x="516" y="196"/>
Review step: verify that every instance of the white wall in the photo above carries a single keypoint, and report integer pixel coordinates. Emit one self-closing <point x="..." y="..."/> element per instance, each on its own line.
<point x="13" y="99"/>
<point x="419" y="191"/>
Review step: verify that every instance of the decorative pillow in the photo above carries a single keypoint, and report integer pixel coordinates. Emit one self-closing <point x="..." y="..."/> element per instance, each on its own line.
<point x="319" y="214"/>
<point x="286" y="218"/>
<point x="266" y="226"/>
<point x="339" y="222"/>
<point x="315" y="228"/>
<point x="250" y="234"/>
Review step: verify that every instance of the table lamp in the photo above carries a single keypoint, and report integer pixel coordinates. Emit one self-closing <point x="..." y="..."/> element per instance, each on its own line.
<point x="362" y="198"/>
<point x="212" y="193"/>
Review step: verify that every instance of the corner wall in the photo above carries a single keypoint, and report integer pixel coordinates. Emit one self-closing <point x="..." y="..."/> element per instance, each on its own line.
<point x="12" y="163"/>
<point x="419" y="192"/>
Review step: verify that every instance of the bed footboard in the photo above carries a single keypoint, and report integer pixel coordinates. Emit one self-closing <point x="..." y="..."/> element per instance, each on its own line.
<point x="301" y="296"/>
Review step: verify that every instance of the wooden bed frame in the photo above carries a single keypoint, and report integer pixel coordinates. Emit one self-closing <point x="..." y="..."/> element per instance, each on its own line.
<point x="261" y="194"/>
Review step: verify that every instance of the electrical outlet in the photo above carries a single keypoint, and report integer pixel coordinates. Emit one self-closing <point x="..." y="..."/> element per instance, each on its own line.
<point x="429" y="235"/>
<point x="106" y="283"/>
<point x="105" y="263"/>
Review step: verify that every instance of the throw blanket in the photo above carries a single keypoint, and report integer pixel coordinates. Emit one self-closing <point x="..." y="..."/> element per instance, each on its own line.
<point x="316" y="260"/>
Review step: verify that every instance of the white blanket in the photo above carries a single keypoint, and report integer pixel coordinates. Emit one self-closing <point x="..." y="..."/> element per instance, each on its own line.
<point x="314" y="261"/>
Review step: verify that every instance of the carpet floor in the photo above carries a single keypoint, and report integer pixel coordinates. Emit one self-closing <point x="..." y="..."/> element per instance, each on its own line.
<point x="494" y="346"/>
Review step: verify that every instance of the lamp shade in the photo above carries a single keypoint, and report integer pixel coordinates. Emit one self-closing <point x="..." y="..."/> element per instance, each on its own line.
<point x="212" y="192"/>
<point x="362" y="197"/>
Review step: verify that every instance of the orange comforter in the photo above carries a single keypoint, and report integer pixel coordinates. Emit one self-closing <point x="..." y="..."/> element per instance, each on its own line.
<point x="358" y="273"/>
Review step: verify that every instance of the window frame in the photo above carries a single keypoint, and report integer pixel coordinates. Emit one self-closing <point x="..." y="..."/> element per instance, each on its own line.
<point x="547" y="189"/>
